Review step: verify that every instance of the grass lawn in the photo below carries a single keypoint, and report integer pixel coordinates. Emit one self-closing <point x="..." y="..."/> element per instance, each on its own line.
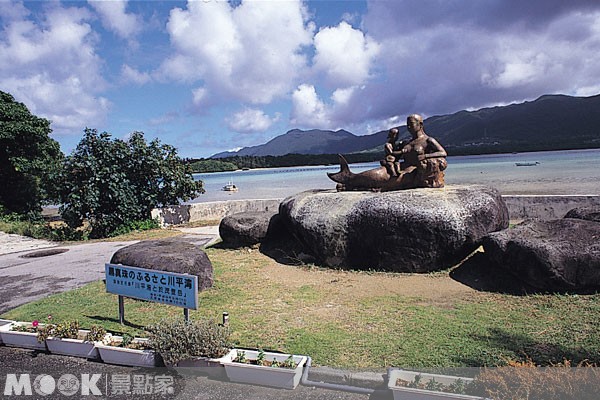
<point x="360" y="319"/>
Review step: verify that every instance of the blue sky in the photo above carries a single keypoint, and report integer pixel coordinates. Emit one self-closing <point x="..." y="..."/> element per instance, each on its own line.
<point x="208" y="76"/>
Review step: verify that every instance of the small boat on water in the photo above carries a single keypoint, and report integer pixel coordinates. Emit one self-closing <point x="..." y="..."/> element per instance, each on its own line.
<point x="230" y="187"/>
<point x="527" y="164"/>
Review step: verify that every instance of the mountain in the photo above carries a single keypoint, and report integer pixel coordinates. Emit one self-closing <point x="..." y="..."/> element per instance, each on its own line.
<point x="550" y="119"/>
<point x="314" y="141"/>
<point x="549" y="122"/>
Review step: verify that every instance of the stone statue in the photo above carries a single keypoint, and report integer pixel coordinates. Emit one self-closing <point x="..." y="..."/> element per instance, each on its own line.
<point x="391" y="162"/>
<point x="423" y="165"/>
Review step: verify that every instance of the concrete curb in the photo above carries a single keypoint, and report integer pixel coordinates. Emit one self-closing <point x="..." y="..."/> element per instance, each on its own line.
<point x="366" y="379"/>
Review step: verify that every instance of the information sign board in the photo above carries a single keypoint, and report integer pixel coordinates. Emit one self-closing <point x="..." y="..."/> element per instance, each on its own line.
<point x="171" y="288"/>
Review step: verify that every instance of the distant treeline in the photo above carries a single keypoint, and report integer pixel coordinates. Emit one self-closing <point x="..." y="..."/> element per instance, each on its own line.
<point x="288" y="160"/>
<point x="210" y="165"/>
<point x="525" y="146"/>
<point x="295" y="160"/>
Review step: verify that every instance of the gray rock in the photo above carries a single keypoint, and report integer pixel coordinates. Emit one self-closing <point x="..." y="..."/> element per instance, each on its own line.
<point x="248" y="228"/>
<point x="556" y="255"/>
<point x="168" y="255"/>
<point x="587" y="213"/>
<point x="417" y="230"/>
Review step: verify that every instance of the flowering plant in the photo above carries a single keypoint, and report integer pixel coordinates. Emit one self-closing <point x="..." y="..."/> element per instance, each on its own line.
<point x="33" y="327"/>
<point x="96" y="334"/>
<point x="67" y="329"/>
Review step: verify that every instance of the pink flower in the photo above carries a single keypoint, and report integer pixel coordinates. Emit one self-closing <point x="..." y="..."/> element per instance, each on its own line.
<point x="35" y="323"/>
<point x="49" y="317"/>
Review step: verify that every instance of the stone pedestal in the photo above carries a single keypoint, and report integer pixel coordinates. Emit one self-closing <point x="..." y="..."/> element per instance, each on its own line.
<point x="417" y="230"/>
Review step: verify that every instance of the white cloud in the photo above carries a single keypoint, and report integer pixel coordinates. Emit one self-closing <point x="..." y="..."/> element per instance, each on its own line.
<point x="351" y="18"/>
<point x="513" y="74"/>
<point x="116" y="19"/>
<point x="588" y="90"/>
<point x="309" y="111"/>
<point x="251" y="52"/>
<point x="444" y="58"/>
<point x="164" y="119"/>
<point x="199" y="96"/>
<point x="130" y="74"/>
<point x="251" y="120"/>
<point x="343" y="96"/>
<point x="12" y="10"/>
<point x="345" y="54"/>
<point x="52" y="67"/>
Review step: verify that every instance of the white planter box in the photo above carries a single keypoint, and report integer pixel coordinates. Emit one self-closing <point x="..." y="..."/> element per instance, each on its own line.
<point x="24" y="340"/>
<point x="73" y="347"/>
<point x="4" y="322"/>
<point x="213" y="367"/>
<point x="406" y="393"/>
<point x="266" y="376"/>
<point x="125" y="356"/>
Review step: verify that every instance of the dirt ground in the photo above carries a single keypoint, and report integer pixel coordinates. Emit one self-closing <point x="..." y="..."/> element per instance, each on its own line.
<point x="353" y="286"/>
<point x="475" y="279"/>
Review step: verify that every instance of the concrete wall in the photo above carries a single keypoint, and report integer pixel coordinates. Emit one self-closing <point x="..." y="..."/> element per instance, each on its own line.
<point x="519" y="208"/>
<point x="211" y="211"/>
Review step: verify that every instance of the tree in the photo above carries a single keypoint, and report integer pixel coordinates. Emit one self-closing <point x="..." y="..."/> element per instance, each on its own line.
<point x="30" y="160"/>
<point x="208" y="165"/>
<point x="114" y="183"/>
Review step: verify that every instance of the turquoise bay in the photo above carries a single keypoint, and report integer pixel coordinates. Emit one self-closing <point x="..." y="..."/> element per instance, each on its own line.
<point x="558" y="173"/>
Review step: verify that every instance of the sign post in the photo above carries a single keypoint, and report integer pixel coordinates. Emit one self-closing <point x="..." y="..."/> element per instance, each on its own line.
<point x="121" y="310"/>
<point x="180" y="290"/>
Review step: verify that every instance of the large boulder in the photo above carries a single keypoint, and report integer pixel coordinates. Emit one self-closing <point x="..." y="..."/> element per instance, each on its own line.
<point x="587" y="213"/>
<point x="170" y="255"/>
<point x="249" y="228"/>
<point x="556" y="255"/>
<point x="417" y="230"/>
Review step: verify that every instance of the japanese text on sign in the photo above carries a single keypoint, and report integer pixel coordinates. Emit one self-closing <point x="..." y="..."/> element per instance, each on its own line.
<point x="171" y="288"/>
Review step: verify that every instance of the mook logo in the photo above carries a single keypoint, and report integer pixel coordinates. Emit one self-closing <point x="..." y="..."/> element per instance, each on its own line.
<point x="44" y="385"/>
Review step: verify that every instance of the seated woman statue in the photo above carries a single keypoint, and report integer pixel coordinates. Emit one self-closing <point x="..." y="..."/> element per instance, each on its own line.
<point x="423" y="166"/>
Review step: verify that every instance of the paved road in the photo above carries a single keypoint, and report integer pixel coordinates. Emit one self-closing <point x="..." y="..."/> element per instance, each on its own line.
<point x="31" y="275"/>
<point x="54" y="269"/>
<point x="31" y="269"/>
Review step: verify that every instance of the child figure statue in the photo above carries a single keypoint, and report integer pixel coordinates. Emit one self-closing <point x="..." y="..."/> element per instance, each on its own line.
<point x="390" y="162"/>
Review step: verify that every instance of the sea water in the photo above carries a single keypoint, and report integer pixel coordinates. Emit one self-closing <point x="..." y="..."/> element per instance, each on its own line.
<point x="558" y="172"/>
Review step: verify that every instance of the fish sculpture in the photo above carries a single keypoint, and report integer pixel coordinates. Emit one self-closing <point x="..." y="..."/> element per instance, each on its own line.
<point x="377" y="179"/>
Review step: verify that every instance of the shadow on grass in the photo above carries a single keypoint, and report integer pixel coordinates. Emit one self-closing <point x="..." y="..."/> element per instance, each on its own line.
<point x="287" y="251"/>
<point x="524" y="348"/>
<point x="480" y="273"/>
<point x="116" y="320"/>
<point x="282" y="251"/>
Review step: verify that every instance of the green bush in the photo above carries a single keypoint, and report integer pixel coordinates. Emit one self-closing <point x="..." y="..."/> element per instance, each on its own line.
<point x="114" y="184"/>
<point x="144" y="225"/>
<point x="38" y="229"/>
<point x="178" y="340"/>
